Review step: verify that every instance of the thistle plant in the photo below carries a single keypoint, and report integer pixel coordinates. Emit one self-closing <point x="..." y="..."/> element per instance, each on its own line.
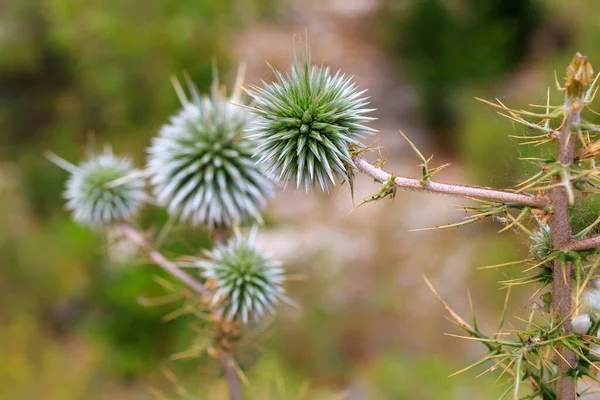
<point x="247" y="283"/>
<point x="201" y="164"/>
<point x="202" y="168"/>
<point x="306" y="123"/>
<point x="547" y="354"/>
<point x="206" y="166"/>
<point x="103" y="189"/>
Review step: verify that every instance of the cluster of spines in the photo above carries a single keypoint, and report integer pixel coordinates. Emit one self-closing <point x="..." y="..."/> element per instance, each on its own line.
<point x="306" y="122"/>
<point x="247" y="283"/>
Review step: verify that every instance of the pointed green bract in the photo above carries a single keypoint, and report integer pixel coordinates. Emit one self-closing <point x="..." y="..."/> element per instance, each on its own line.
<point x="202" y="165"/>
<point x="306" y="121"/>
<point x="104" y="189"/>
<point x="248" y="283"/>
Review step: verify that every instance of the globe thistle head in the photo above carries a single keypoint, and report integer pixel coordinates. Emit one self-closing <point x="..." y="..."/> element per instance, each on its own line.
<point x="103" y="189"/>
<point x="202" y="164"/>
<point x="541" y="242"/>
<point x="306" y="122"/>
<point x="247" y="282"/>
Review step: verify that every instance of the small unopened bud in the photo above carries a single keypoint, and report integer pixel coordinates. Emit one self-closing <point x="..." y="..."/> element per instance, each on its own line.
<point x="579" y="75"/>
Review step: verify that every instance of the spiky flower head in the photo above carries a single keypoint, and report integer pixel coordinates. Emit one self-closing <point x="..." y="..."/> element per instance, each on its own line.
<point x="306" y="122"/>
<point x="541" y="242"/>
<point x="103" y="189"/>
<point x="247" y="282"/>
<point x="202" y="164"/>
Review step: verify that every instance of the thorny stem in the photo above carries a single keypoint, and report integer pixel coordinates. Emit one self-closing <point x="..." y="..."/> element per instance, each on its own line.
<point x="219" y="236"/>
<point x="429" y="186"/>
<point x="584" y="244"/>
<point x="560" y="228"/>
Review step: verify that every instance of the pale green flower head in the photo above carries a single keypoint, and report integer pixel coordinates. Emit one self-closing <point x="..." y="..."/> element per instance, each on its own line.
<point x="202" y="166"/>
<point x="103" y="189"/>
<point x="248" y="284"/>
<point x="307" y="120"/>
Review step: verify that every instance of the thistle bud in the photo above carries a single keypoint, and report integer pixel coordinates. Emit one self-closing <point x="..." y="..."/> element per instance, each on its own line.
<point x="306" y="122"/>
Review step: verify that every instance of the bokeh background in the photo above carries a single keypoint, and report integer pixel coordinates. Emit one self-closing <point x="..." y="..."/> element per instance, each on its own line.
<point x="75" y="74"/>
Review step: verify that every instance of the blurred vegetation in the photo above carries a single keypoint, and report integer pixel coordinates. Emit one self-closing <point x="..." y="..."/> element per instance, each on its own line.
<point x="70" y="323"/>
<point x="443" y="45"/>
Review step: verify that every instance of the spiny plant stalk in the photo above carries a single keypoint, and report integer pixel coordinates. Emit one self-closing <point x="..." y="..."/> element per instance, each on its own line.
<point x="580" y="75"/>
<point x="547" y="354"/>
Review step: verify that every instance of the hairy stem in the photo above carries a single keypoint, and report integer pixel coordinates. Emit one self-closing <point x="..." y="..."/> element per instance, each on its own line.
<point x="475" y="192"/>
<point x="560" y="228"/>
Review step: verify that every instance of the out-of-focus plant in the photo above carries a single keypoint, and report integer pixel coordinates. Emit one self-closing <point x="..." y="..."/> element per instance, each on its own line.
<point x="442" y="45"/>
<point x="546" y="353"/>
<point x="203" y="169"/>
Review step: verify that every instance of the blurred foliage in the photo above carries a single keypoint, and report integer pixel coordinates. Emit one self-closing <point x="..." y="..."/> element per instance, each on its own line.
<point x="70" y="68"/>
<point x="442" y="45"/>
<point x="69" y="72"/>
<point x="490" y="156"/>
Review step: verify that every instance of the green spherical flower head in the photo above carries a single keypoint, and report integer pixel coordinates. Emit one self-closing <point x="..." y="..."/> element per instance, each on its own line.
<point x="541" y="240"/>
<point x="202" y="164"/>
<point x="103" y="189"/>
<point x="306" y="122"/>
<point x="248" y="283"/>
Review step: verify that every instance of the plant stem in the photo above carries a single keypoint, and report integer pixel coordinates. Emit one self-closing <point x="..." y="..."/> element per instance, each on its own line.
<point x="231" y="376"/>
<point x="560" y="228"/>
<point x="219" y="236"/>
<point x="584" y="244"/>
<point x="474" y="192"/>
<point x="160" y="260"/>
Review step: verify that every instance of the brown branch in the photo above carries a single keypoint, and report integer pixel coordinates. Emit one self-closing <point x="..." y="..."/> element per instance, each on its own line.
<point x="474" y="192"/>
<point x="560" y="228"/>
<point x="592" y="242"/>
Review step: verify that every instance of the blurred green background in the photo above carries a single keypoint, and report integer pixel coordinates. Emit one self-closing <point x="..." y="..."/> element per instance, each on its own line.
<point x="80" y="74"/>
